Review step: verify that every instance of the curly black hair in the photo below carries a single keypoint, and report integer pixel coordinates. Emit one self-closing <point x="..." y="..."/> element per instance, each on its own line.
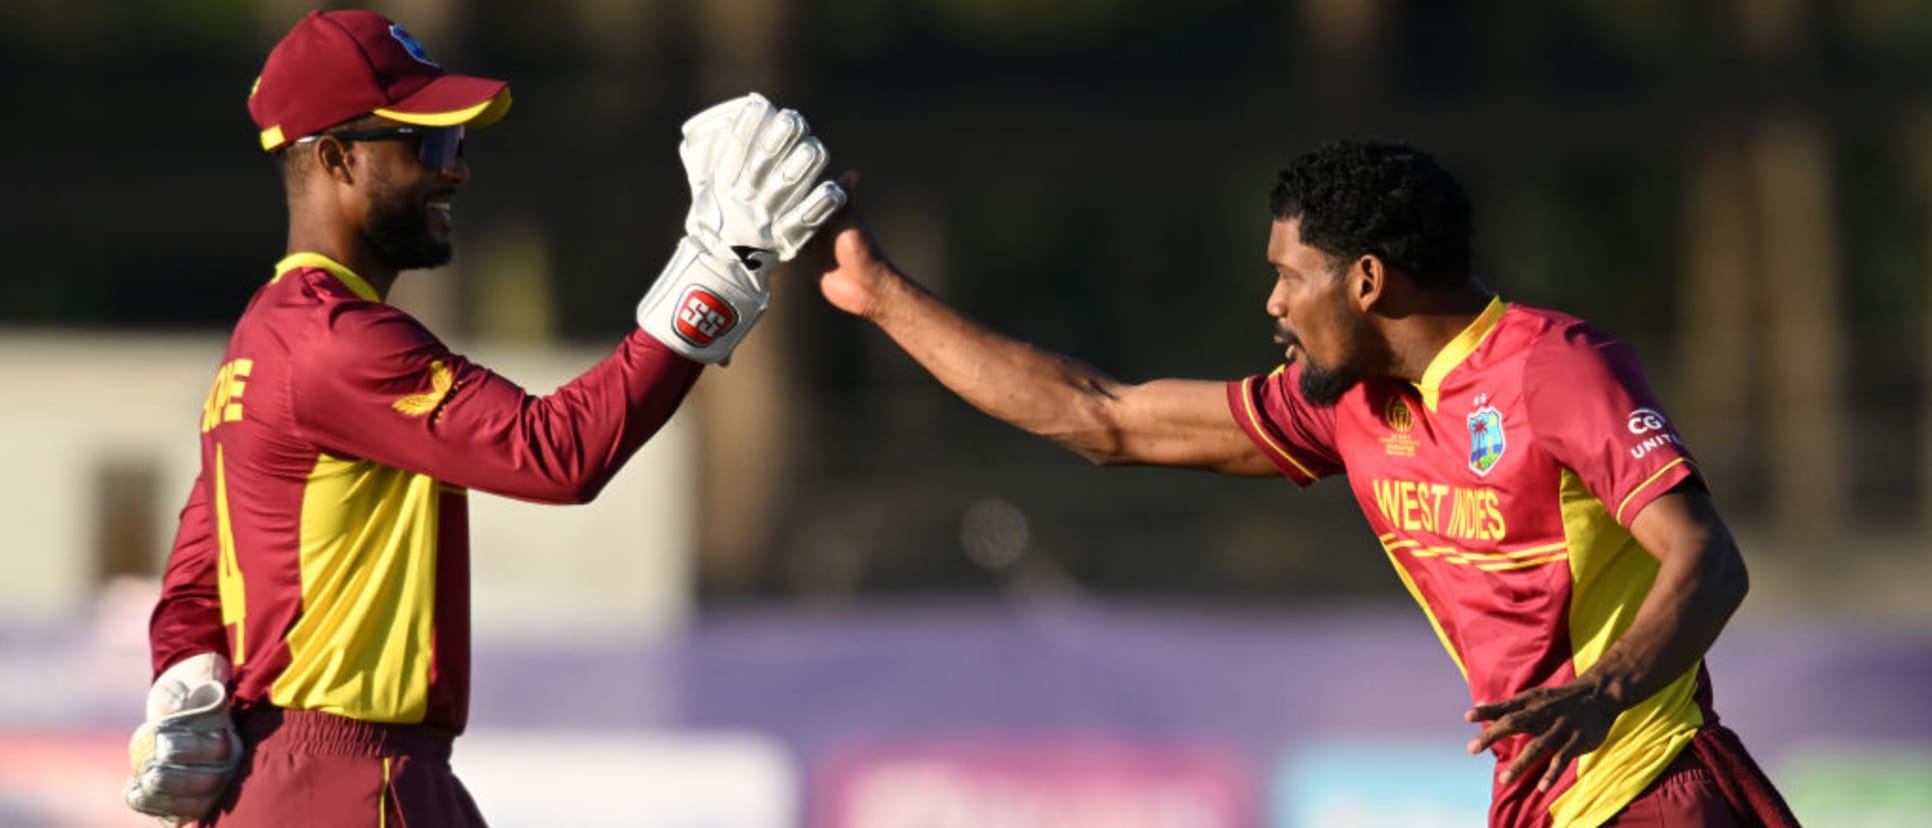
<point x="1392" y="200"/>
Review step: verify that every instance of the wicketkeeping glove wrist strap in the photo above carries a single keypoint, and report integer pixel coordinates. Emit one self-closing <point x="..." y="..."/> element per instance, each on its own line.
<point x="705" y="300"/>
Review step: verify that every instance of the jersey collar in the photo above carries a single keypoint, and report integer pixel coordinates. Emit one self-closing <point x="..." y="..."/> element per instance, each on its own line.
<point x="342" y="274"/>
<point x="1458" y="350"/>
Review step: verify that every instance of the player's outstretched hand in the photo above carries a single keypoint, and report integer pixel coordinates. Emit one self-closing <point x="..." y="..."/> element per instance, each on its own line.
<point x="1562" y="723"/>
<point x="852" y="268"/>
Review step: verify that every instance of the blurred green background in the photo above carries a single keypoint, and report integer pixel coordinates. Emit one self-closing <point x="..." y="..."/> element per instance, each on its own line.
<point x="1739" y="188"/>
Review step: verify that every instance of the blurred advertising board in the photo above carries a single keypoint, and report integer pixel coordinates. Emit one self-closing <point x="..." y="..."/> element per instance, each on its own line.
<point x="532" y="779"/>
<point x="51" y="779"/>
<point x="1033" y="783"/>
<point x="1854" y="786"/>
<point x="543" y="779"/>
<point x="1365" y="784"/>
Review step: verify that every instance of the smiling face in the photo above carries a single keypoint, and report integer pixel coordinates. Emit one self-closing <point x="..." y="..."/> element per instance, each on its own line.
<point x="1314" y="316"/>
<point x="409" y="206"/>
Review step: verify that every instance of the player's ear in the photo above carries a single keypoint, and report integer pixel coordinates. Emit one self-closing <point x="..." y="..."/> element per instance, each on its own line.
<point x="335" y="160"/>
<point x="1366" y="280"/>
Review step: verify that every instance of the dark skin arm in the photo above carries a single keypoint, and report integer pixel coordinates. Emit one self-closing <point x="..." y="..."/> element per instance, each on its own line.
<point x="1170" y="422"/>
<point x="1701" y="580"/>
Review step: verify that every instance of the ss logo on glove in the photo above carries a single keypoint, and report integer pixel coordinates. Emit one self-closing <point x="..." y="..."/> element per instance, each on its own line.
<point x="703" y="316"/>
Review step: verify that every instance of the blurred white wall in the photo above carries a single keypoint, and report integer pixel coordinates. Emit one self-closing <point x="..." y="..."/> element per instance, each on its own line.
<point x="82" y="409"/>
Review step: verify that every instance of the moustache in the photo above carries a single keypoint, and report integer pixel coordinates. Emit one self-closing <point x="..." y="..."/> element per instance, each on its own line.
<point x="1284" y="337"/>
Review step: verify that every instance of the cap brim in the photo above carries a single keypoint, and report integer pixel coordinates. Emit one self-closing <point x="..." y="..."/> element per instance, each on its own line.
<point x="451" y="100"/>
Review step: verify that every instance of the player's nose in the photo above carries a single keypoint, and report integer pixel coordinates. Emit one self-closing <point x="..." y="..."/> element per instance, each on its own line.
<point x="1277" y="303"/>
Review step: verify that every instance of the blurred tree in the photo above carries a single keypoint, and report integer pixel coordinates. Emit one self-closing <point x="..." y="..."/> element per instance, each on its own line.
<point x="1802" y="340"/>
<point x="1885" y="28"/>
<point x="1720" y="311"/>
<point x="1788" y="160"/>
<point x="750" y="428"/>
<point x="1924" y="130"/>
<point x="1343" y="37"/>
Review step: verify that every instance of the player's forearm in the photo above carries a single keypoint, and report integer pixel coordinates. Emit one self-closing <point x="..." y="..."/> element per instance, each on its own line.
<point x="1053" y="396"/>
<point x="187" y="617"/>
<point x="1698" y="586"/>
<point x="577" y="438"/>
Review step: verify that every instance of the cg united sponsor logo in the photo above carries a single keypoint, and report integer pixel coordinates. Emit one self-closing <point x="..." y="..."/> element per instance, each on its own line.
<point x="1486" y="439"/>
<point x="1650" y="421"/>
<point x="1644" y="420"/>
<point x="703" y="316"/>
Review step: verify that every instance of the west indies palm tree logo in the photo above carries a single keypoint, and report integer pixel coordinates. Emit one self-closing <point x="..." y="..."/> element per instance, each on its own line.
<point x="1486" y="440"/>
<point x="412" y="46"/>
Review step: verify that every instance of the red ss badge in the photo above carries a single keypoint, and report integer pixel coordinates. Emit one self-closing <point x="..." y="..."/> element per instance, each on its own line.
<point x="703" y="316"/>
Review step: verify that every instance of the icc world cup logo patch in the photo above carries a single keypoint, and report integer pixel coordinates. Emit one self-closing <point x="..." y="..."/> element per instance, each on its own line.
<point x="1486" y="439"/>
<point x="1396" y="414"/>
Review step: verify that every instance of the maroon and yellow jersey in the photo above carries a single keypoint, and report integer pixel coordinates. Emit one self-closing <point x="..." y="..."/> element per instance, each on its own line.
<point x="1502" y="487"/>
<point x="325" y="545"/>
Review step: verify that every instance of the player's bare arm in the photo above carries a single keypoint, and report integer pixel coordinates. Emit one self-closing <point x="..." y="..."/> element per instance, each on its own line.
<point x="1170" y="422"/>
<point x="1701" y="580"/>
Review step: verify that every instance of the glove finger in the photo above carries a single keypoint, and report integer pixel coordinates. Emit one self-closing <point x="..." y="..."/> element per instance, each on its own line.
<point x="171" y="810"/>
<point x="706" y="132"/>
<point x="153" y="804"/>
<point x="797" y="225"/>
<point x="720" y="115"/>
<point x="728" y="168"/>
<point x="792" y="181"/>
<point x="817" y="206"/>
<point x="776" y="139"/>
<point x="704" y="138"/>
<point x="195" y="746"/>
<point x="183" y="781"/>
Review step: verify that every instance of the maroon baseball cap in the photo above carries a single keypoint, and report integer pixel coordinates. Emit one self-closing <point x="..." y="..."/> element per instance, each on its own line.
<point x="340" y="65"/>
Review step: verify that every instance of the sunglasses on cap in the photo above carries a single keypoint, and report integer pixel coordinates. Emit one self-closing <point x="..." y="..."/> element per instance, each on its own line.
<point x="441" y="148"/>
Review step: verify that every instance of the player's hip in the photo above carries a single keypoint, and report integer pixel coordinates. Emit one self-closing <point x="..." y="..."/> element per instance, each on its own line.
<point x="305" y="768"/>
<point x="1712" y="784"/>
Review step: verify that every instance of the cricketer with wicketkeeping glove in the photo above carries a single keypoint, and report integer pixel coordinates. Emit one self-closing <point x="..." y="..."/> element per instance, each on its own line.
<point x="312" y="638"/>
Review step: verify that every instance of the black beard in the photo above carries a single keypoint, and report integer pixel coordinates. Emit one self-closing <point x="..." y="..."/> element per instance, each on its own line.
<point x="399" y="230"/>
<point x="1325" y="386"/>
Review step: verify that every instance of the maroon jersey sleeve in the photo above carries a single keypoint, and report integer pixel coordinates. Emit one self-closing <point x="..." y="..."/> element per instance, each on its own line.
<point x="187" y="619"/>
<point x="1297" y="436"/>
<point x="377" y="385"/>
<point x="1591" y="409"/>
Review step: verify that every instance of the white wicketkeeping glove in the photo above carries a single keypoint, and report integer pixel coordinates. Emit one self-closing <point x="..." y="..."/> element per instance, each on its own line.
<point x="755" y="200"/>
<point x="187" y="750"/>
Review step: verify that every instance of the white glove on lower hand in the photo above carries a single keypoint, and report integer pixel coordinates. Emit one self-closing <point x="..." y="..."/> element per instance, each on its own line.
<point x="187" y="750"/>
<point x="755" y="201"/>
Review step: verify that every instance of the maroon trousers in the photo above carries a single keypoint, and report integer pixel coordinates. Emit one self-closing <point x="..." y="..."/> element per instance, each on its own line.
<point x="303" y="768"/>
<point x="1714" y="783"/>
